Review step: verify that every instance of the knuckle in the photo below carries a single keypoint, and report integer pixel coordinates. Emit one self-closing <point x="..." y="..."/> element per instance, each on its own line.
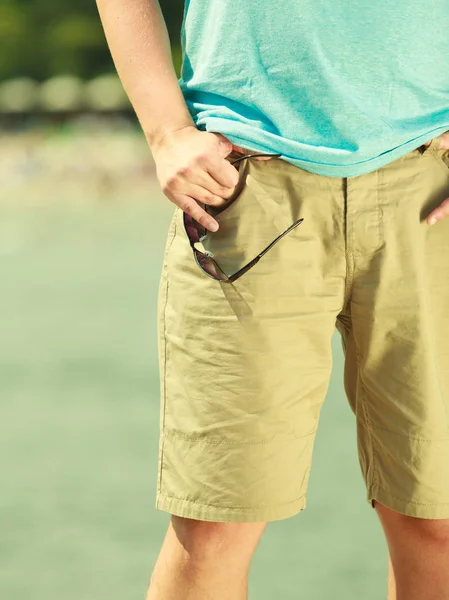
<point x="226" y="190"/>
<point x="171" y="182"/>
<point x="201" y="218"/>
<point x="229" y="194"/>
<point x="211" y="199"/>
<point x="185" y="171"/>
<point x="186" y="207"/>
<point x="202" y="157"/>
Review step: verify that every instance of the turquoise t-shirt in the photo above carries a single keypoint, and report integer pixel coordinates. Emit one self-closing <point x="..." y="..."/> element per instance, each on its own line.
<point x="337" y="87"/>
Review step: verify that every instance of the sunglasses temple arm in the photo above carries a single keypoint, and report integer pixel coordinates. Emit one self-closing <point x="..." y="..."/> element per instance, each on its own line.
<point x="254" y="156"/>
<point x="251" y="264"/>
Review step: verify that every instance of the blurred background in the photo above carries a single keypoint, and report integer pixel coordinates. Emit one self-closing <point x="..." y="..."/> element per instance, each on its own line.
<point x="82" y="232"/>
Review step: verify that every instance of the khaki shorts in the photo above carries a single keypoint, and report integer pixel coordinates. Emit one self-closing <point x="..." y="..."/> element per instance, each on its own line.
<point x="245" y="366"/>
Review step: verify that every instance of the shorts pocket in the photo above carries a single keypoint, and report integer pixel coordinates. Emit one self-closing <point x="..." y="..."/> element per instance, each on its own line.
<point x="219" y="213"/>
<point x="442" y="158"/>
<point x="255" y="215"/>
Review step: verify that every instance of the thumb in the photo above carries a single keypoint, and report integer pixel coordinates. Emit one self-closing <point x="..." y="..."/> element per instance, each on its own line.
<point x="224" y="146"/>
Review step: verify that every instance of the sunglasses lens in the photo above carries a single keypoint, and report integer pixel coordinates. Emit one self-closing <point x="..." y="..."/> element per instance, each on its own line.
<point x="195" y="233"/>
<point x="209" y="266"/>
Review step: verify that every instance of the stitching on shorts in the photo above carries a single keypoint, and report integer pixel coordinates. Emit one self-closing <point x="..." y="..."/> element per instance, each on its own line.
<point x="239" y="443"/>
<point x="368" y="421"/>
<point x="349" y="280"/>
<point x="379" y="210"/>
<point x="164" y="377"/>
<point x="350" y="267"/>
<point x="225" y="508"/>
<point x="377" y="215"/>
<point x="410" y="501"/>
<point x="410" y="437"/>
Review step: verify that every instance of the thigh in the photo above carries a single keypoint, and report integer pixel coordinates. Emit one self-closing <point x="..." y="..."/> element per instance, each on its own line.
<point x="245" y="367"/>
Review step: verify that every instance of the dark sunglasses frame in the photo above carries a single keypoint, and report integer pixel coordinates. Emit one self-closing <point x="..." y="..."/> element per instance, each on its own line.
<point x="197" y="233"/>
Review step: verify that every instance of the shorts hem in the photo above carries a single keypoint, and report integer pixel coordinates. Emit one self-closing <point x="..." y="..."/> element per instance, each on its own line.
<point x="407" y="507"/>
<point x="206" y="512"/>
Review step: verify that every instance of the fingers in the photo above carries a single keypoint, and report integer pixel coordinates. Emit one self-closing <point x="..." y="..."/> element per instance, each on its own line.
<point x="197" y="181"/>
<point x="213" y="187"/>
<point x="221" y="171"/>
<point x="192" y="208"/>
<point x="439" y="213"/>
<point x="444" y="141"/>
<point x="199" y="185"/>
<point x="197" y="175"/>
<point x="193" y="172"/>
<point x="203" y="195"/>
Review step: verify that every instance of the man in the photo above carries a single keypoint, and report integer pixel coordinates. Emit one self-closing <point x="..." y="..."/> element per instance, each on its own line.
<point x="348" y="104"/>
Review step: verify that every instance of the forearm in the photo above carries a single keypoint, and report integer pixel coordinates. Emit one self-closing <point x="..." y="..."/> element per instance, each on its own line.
<point x="138" y="40"/>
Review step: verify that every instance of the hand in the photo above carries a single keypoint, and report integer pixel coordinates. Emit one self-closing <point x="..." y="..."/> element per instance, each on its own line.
<point x="442" y="210"/>
<point x="444" y="141"/>
<point x="191" y="167"/>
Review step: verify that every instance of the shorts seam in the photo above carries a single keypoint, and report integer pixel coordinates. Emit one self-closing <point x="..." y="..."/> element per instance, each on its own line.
<point x="378" y="487"/>
<point x="410" y="437"/>
<point x="380" y="224"/>
<point x="350" y="266"/>
<point x="231" y="508"/>
<point x="377" y="244"/>
<point x="186" y="438"/>
<point x="368" y="424"/>
<point x="349" y="259"/>
<point x="164" y="335"/>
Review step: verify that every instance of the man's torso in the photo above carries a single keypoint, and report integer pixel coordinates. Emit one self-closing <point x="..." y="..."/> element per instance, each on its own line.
<point x="338" y="88"/>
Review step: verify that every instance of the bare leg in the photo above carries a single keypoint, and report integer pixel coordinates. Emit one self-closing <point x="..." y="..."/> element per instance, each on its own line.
<point x="391" y="581"/>
<point x="204" y="561"/>
<point x="419" y="550"/>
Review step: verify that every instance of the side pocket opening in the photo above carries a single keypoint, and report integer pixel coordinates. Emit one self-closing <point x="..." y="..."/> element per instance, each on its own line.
<point x="242" y="168"/>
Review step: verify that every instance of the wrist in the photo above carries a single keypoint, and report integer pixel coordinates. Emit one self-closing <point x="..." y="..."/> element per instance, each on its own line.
<point x="157" y="138"/>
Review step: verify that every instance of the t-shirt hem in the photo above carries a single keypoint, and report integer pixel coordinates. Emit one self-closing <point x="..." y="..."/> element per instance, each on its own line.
<point x="262" y="141"/>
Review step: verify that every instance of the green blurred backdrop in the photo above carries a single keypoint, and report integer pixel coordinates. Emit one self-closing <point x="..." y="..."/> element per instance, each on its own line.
<point x="43" y="38"/>
<point x="82" y="232"/>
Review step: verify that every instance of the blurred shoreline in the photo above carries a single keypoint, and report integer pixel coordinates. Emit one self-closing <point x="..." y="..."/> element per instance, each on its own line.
<point x="87" y="157"/>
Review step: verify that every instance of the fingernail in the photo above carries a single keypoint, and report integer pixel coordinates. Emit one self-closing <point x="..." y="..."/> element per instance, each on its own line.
<point x="213" y="226"/>
<point x="432" y="220"/>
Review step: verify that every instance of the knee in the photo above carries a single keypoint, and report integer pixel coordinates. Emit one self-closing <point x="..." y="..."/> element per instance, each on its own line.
<point x="204" y="541"/>
<point x="431" y="531"/>
<point x="414" y="530"/>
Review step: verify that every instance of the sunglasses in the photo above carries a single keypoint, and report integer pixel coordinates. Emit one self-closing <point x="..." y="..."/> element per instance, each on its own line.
<point x="196" y="233"/>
